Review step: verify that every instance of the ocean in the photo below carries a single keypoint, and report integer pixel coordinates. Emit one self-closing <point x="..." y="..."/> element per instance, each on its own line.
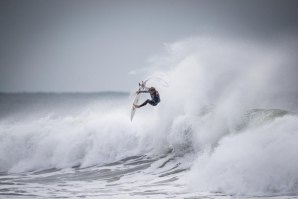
<point x="83" y="145"/>
<point x="226" y="127"/>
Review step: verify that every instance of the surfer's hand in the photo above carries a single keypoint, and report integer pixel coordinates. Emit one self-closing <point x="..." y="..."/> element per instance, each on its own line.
<point x="137" y="92"/>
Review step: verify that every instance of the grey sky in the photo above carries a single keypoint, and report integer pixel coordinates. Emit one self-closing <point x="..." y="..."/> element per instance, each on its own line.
<point x="60" y="45"/>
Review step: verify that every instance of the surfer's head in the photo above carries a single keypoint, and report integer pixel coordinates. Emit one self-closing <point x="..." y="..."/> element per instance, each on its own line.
<point x="152" y="90"/>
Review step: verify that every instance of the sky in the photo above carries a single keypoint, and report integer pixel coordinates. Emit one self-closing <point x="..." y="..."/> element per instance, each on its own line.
<point x="93" y="45"/>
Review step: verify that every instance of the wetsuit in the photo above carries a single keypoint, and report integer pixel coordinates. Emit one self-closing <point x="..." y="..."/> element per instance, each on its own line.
<point x="155" y="99"/>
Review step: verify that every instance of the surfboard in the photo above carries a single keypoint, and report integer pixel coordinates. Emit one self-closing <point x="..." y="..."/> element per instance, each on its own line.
<point x="136" y="98"/>
<point x="133" y="109"/>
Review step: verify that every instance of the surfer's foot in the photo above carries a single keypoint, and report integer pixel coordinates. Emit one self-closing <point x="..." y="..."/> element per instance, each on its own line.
<point x="136" y="106"/>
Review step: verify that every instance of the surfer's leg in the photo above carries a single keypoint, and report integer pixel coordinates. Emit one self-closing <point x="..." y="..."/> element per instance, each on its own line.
<point x="152" y="103"/>
<point x="144" y="103"/>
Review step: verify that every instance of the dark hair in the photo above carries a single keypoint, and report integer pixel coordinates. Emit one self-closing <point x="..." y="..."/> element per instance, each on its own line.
<point x="151" y="89"/>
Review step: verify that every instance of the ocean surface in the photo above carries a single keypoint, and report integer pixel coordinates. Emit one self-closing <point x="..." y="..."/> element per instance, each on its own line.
<point x="85" y="146"/>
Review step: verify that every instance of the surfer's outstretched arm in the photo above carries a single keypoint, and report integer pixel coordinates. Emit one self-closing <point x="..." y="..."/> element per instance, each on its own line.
<point x="142" y="92"/>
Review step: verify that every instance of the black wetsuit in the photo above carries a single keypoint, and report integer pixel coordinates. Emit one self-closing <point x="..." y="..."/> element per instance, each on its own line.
<point x="155" y="99"/>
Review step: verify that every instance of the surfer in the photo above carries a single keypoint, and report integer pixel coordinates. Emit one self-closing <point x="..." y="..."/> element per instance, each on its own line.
<point x="155" y="99"/>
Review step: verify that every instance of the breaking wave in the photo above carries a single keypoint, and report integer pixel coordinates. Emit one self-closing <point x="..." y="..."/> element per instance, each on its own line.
<point x="223" y="107"/>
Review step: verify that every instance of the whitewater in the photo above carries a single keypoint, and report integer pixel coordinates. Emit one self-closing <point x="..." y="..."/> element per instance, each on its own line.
<point x="226" y="127"/>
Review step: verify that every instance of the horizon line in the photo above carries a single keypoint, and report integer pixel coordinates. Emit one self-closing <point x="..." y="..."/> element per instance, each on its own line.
<point x="63" y="92"/>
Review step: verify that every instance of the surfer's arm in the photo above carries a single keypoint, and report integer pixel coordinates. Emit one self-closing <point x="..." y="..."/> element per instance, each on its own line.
<point x="142" y="92"/>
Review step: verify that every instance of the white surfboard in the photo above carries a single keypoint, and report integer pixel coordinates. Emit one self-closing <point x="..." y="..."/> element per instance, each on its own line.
<point x="136" y="99"/>
<point x="133" y="109"/>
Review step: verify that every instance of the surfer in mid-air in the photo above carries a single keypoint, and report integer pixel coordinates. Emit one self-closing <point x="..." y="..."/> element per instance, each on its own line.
<point x="155" y="99"/>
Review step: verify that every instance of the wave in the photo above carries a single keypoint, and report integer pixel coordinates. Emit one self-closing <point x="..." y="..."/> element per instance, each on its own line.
<point x="208" y="119"/>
